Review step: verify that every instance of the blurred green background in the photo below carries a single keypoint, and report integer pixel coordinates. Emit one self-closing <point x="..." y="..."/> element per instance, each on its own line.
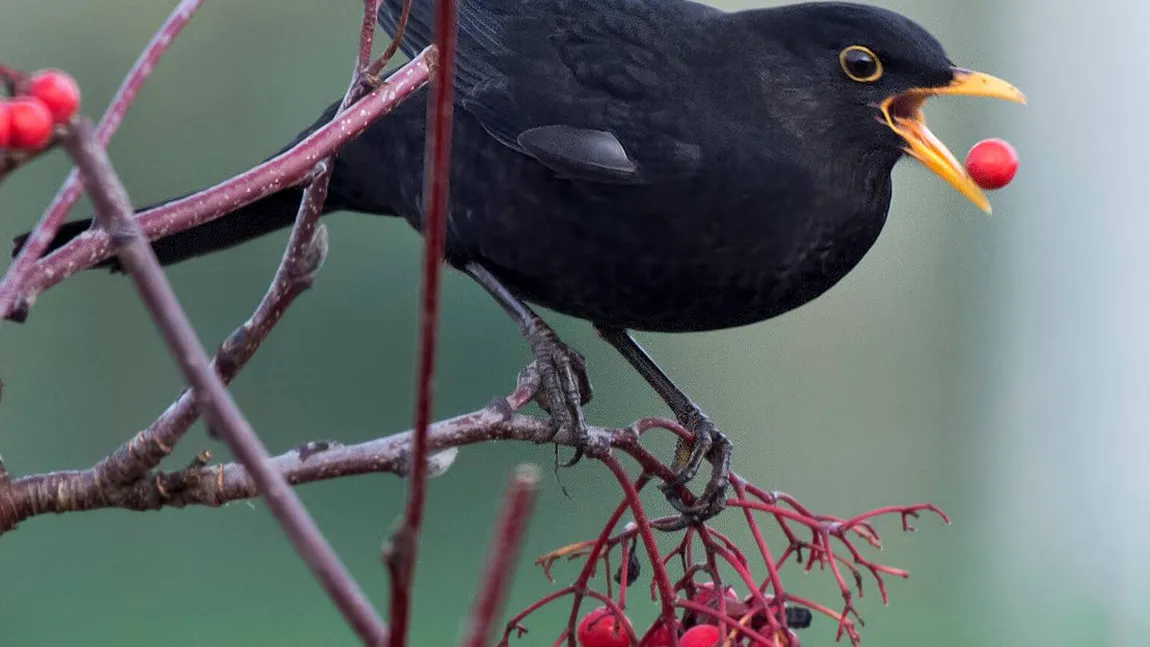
<point x="993" y="366"/>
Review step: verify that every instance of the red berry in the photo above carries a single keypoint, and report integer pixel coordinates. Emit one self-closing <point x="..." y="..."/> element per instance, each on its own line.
<point x="58" y="91"/>
<point x="701" y="636"/>
<point x="5" y="124"/>
<point x="31" y="124"/>
<point x="705" y="595"/>
<point x="660" y="637"/>
<point x="601" y="628"/>
<point x="992" y="163"/>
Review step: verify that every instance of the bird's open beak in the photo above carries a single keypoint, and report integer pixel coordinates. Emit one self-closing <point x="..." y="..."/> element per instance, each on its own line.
<point x="903" y="113"/>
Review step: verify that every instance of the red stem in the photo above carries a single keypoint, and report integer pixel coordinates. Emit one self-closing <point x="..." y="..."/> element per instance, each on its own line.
<point x="601" y="544"/>
<point x="436" y="176"/>
<point x="624" y="571"/>
<point x="904" y="511"/>
<point x="515" y="623"/>
<point x="666" y="592"/>
<point x="745" y="575"/>
<point x="517" y="506"/>
<point x="768" y="559"/>
<point x="723" y="619"/>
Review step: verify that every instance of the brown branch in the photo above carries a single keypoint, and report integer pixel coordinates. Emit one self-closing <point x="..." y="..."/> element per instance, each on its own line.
<point x="305" y="252"/>
<point x="114" y="214"/>
<point x="38" y="241"/>
<point x="216" y="485"/>
<point x="302" y="257"/>
<point x="284" y="170"/>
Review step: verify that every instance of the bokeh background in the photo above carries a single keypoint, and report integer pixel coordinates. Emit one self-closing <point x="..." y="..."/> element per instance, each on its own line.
<point x="995" y="366"/>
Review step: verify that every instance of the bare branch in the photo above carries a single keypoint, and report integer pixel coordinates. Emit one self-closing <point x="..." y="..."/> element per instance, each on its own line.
<point x="114" y="214"/>
<point x="287" y="169"/>
<point x="305" y="252"/>
<point x="215" y="485"/>
<point x="13" y="284"/>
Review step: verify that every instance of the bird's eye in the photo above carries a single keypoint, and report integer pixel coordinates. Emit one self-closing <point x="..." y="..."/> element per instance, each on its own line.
<point x="860" y="64"/>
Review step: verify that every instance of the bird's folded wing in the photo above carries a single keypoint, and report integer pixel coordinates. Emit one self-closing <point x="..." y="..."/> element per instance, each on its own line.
<point x="591" y="89"/>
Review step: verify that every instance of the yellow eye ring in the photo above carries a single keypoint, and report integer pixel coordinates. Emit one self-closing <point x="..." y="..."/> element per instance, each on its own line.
<point x="860" y="64"/>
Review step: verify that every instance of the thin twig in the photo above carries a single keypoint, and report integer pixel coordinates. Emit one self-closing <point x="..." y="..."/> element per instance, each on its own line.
<point x="114" y="215"/>
<point x="282" y="171"/>
<point x="13" y="284"/>
<point x="403" y="548"/>
<point x="504" y="549"/>
<point x="376" y="68"/>
<point x="662" y="582"/>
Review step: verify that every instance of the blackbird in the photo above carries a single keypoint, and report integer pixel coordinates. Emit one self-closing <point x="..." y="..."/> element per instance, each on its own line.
<point x="656" y="165"/>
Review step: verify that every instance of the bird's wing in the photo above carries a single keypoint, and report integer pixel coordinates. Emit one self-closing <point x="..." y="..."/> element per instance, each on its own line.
<point x="592" y="89"/>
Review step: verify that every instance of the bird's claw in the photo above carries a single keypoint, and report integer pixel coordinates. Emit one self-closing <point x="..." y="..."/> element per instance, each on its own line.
<point x="564" y="389"/>
<point x="710" y="444"/>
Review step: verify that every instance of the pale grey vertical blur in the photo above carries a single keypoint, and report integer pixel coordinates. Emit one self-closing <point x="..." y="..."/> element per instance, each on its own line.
<point x="1068" y="394"/>
<point x="995" y="366"/>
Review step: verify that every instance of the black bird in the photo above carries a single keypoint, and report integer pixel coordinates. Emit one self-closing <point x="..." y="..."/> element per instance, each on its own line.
<point x="654" y="165"/>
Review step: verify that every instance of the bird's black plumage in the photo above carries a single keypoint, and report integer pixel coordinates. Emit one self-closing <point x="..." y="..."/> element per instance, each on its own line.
<point x="760" y="174"/>
<point x="642" y="164"/>
<point x="750" y="175"/>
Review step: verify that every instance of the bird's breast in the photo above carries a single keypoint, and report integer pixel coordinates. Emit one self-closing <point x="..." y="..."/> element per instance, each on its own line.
<point x="668" y="258"/>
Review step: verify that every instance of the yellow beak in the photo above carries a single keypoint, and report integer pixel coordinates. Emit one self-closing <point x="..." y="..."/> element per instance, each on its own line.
<point x="903" y="113"/>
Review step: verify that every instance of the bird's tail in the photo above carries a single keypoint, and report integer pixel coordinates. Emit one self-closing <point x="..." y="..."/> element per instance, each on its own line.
<point x="264" y="216"/>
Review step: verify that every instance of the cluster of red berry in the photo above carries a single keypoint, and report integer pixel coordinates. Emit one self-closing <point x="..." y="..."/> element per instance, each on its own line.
<point x="602" y="628"/>
<point x="44" y="100"/>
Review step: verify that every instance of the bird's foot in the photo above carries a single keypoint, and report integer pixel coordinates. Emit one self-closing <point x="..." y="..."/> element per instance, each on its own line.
<point x="707" y="443"/>
<point x="564" y="389"/>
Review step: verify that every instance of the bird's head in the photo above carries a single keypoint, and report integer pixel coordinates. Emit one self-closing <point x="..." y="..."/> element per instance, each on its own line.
<point x="869" y="71"/>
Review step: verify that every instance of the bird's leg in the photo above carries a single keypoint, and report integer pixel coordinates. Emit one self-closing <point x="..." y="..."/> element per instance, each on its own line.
<point x="707" y="441"/>
<point x="565" y="387"/>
